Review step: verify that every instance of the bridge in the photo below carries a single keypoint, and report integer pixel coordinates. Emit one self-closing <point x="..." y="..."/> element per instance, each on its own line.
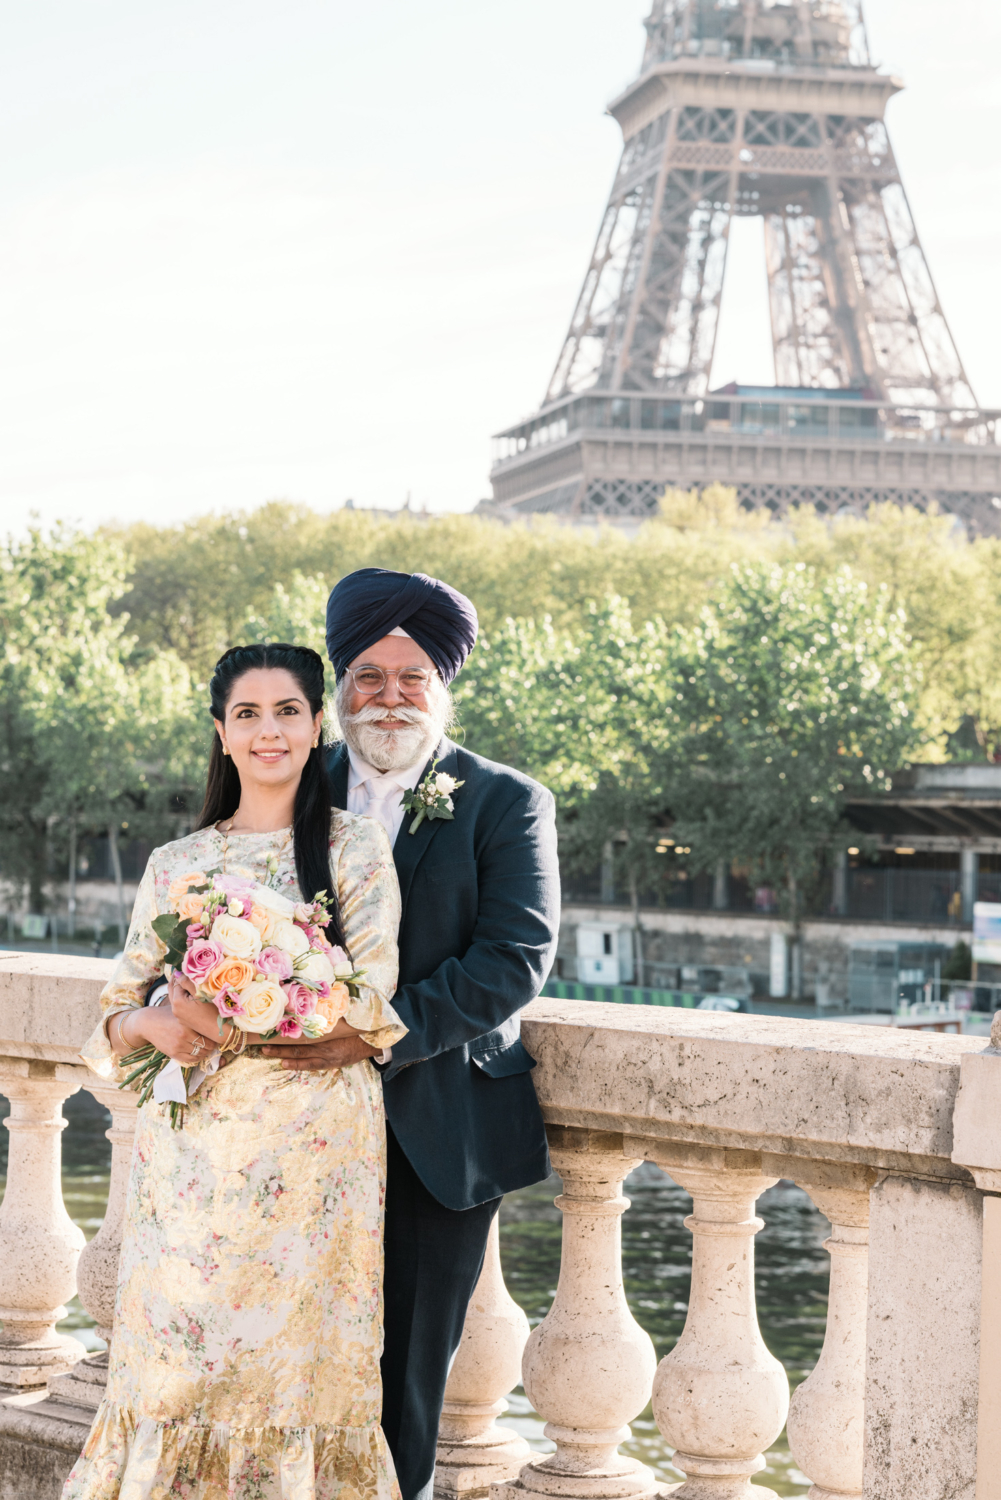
<point x="895" y="1136"/>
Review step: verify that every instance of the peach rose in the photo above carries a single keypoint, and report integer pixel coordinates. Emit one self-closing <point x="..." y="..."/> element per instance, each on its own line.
<point x="232" y="973"/>
<point x="331" y="1007"/>
<point x="179" y="887"/>
<point x="264" y="921"/>
<point x="191" y="906"/>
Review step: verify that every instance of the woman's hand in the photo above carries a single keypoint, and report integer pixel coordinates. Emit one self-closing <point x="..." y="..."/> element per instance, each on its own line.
<point x="161" y="1029"/>
<point x="199" y="1015"/>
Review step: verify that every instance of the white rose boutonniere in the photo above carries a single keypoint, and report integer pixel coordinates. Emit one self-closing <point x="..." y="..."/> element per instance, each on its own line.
<point x="433" y="798"/>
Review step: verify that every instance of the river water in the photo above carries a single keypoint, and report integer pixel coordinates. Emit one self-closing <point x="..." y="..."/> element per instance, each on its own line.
<point x="792" y="1271"/>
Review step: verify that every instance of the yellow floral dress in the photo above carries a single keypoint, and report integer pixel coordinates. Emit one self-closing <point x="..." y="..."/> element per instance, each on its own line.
<point x="248" y="1324"/>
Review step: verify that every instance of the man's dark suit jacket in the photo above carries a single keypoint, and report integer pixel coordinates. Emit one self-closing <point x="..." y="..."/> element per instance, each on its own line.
<point x="481" y="899"/>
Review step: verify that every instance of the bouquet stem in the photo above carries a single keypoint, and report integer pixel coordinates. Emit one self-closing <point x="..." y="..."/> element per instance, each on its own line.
<point x="150" y="1063"/>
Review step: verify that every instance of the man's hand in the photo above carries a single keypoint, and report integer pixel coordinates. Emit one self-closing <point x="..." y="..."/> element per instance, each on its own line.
<point x="330" y="1056"/>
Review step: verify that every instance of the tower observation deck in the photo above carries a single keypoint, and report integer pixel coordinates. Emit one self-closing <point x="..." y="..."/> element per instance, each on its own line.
<point x="774" y="110"/>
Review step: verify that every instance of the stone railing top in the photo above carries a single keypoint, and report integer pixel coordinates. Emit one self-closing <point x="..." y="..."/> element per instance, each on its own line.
<point x="872" y="1096"/>
<point x="49" y="1003"/>
<point x="869" y="1096"/>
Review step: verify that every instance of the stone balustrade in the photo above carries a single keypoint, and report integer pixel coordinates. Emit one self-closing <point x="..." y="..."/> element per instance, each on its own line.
<point x="895" y="1135"/>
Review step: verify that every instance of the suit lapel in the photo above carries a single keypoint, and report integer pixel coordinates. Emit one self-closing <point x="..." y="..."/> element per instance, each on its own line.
<point x="410" y="848"/>
<point x="337" y="774"/>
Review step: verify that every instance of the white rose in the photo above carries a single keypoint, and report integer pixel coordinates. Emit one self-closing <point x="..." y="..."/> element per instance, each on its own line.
<point x="263" y="1003"/>
<point x="444" y="783"/>
<point x="344" y="969"/>
<point x="235" y="908"/>
<point x="236" y="937"/>
<point x="288" y="936"/>
<point x="315" y="968"/>
<point x="263" y="895"/>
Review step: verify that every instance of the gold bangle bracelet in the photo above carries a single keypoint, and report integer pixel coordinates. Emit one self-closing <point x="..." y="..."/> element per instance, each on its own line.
<point x="122" y="1038"/>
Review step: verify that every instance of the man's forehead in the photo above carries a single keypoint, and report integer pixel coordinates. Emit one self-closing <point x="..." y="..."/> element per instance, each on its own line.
<point x="394" y="650"/>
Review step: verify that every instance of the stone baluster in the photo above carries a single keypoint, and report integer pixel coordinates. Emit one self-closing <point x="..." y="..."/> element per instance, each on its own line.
<point x="826" y="1427"/>
<point x="719" y="1398"/>
<point x="97" y="1272"/>
<point x="39" y="1243"/>
<point x="473" y="1452"/>
<point x="588" y="1366"/>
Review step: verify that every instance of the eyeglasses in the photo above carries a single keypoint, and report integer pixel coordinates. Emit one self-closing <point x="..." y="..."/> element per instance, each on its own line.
<point x="411" y="681"/>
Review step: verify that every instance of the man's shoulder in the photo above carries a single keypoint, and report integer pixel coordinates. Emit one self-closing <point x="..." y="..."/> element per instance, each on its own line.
<point x="492" y="777"/>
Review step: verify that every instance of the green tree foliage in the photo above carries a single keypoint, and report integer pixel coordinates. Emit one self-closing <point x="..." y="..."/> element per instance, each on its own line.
<point x="193" y="586"/>
<point x="585" y="637"/>
<point x="745" y="732"/>
<point x="792" y="692"/>
<point x="584" y="712"/>
<point x="93" y="735"/>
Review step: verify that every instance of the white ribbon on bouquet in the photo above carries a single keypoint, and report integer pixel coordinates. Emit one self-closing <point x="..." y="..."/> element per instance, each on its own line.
<point x="168" y="1086"/>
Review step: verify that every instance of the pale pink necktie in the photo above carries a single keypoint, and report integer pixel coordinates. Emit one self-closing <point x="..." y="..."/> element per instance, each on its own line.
<point x="383" y="802"/>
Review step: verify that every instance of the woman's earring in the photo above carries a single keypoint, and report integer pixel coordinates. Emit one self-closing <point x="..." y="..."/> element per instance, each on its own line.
<point x="225" y="749"/>
<point x="315" y="743"/>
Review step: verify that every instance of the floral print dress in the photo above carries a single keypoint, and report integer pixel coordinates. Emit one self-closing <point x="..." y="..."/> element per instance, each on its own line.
<point x="248" y="1323"/>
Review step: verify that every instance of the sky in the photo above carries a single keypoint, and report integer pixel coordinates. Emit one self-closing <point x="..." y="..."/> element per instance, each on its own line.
<point x="318" y="251"/>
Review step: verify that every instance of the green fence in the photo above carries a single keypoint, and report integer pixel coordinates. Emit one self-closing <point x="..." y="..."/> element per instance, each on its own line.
<point x="618" y="994"/>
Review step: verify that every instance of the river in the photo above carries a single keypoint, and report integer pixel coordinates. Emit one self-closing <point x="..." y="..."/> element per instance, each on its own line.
<point x="792" y="1271"/>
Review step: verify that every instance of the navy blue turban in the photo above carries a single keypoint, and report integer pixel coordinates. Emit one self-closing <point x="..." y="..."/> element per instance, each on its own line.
<point x="374" y="602"/>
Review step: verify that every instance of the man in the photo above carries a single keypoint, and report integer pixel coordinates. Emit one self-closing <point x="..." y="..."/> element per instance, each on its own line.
<point x="477" y="937"/>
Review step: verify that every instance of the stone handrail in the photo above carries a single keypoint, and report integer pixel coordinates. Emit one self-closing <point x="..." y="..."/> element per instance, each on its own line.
<point x="894" y="1135"/>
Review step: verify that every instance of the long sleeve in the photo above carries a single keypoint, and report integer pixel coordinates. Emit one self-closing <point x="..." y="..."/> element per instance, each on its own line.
<point x="140" y="963"/>
<point x="369" y="895"/>
<point x="513" y="941"/>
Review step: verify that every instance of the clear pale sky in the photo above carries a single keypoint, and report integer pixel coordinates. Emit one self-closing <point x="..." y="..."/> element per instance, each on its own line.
<point x="313" y="250"/>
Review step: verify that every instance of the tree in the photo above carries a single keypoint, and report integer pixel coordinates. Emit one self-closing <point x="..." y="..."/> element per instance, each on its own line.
<point x="93" y="735"/>
<point x="791" y="693"/>
<point x="583" y="712"/>
<point x="193" y="585"/>
<point x="949" y="589"/>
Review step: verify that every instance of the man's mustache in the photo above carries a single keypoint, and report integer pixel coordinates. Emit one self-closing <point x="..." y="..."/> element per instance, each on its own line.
<point x="372" y="713"/>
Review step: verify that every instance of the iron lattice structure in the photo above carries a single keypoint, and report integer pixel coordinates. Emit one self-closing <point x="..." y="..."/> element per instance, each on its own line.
<point x="770" y="108"/>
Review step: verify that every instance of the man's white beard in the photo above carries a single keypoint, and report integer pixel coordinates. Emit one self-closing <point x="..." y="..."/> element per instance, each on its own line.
<point x="395" y="749"/>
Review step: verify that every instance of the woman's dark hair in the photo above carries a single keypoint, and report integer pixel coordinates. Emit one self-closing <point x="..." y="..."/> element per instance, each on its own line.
<point x="311" y="815"/>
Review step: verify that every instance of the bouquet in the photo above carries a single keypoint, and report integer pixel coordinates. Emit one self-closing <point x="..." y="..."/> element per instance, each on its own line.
<point x="262" y="960"/>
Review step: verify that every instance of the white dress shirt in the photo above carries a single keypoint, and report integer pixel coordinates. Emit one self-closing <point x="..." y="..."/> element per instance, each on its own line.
<point x="379" y="794"/>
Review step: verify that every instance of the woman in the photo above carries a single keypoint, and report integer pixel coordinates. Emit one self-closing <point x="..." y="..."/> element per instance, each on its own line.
<point x="248" y="1325"/>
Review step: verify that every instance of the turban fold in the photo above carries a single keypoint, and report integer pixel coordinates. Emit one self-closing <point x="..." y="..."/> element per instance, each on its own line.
<point x="373" y="602"/>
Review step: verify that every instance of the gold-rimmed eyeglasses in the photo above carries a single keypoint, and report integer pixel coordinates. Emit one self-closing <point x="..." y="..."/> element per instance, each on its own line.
<point x="411" y="681"/>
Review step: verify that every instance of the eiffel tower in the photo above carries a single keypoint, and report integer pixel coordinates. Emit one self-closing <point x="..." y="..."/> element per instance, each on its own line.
<point x="769" y="108"/>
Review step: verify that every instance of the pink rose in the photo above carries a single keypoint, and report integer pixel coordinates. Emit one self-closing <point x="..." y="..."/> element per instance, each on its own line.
<point x="235" y="887"/>
<point x="289" y="1027"/>
<point x="200" y="959"/>
<point x="337" y="955"/>
<point x="300" y="1000"/>
<point x="303" y="913"/>
<point x="274" y="962"/>
<point x="194" y="930"/>
<point x="228" y="1002"/>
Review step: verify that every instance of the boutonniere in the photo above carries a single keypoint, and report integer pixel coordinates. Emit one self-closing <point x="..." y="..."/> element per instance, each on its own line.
<point x="433" y="798"/>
